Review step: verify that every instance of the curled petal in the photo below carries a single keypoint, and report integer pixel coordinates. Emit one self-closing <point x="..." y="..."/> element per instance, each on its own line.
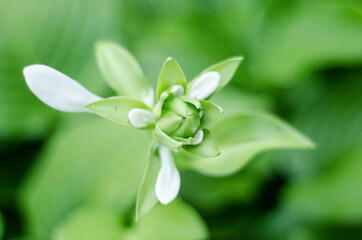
<point x="140" y="118"/>
<point x="199" y="136"/>
<point x="204" y="86"/>
<point x="58" y="90"/>
<point x="168" y="179"/>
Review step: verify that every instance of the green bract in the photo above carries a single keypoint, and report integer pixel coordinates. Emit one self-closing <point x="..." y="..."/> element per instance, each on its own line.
<point x="178" y="114"/>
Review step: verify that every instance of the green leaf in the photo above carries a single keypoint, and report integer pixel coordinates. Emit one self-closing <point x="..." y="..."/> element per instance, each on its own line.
<point x="166" y="140"/>
<point x="122" y="71"/>
<point x="226" y="69"/>
<point x="91" y="224"/>
<point x="207" y="148"/>
<point x="171" y="74"/>
<point x="65" y="47"/>
<point x="2" y="226"/>
<point x="211" y="113"/>
<point x="176" y="221"/>
<point x="332" y="196"/>
<point x="241" y="137"/>
<point x="94" y="162"/>
<point x="146" y="198"/>
<point x="116" y="108"/>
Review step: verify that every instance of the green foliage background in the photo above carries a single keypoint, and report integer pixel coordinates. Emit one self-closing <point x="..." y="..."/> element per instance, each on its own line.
<point x="75" y="176"/>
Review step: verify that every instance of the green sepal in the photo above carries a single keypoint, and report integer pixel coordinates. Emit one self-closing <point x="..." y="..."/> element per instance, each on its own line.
<point x="210" y="113"/>
<point x="146" y="197"/>
<point x="121" y="70"/>
<point x="171" y="74"/>
<point x="166" y="140"/>
<point x="226" y="69"/>
<point x="116" y="108"/>
<point x="207" y="148"/>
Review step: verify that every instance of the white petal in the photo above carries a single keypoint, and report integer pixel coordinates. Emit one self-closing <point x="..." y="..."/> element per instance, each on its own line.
<point x="204" y="86"/>
<point x="199" y="136"/>
<point x="58" y="90"/>
<point x="140" y="118"/>
<point x="150" y="98"/>
<point x="168" y="179"/>
<point x="201" y="113"/>
<point x="177" y="90"/>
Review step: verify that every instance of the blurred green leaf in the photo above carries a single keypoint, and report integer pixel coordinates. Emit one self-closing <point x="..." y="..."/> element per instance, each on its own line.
<point x="91" y="162"/>
<point x="170" y="222"/>
<point x="330" y="114"/>
<point x="211" y="195"/>
<point x="233" y="100"/>
<point x="92" y="224"/>
<point x="318" y="34"/>
<point x="116" y="108"/>
<point x="122" y="71"/>
<point x="332" y="196"/>
<point x="146" y="197"/>
<point x="241" y="137"/>
<point x="163" y="223"/>
<point x="171" y="74"/>
<point x="49" y="33"/>
<point x="2" y="226"/>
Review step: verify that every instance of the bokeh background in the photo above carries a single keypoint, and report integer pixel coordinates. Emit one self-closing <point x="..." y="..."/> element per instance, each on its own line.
<point x="60" y="173"/>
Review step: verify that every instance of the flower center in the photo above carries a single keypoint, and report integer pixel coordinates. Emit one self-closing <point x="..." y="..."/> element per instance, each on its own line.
<point x="179" y="119"/>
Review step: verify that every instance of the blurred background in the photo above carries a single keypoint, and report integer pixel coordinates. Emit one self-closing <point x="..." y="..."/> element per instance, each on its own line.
<point x="303" y="62"/>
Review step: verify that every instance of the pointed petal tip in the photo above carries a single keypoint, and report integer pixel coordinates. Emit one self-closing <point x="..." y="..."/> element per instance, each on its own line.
<point x="240" y="58"/>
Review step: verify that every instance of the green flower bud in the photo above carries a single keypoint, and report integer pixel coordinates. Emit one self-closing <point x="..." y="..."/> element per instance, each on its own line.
<point x="179" y="118"/>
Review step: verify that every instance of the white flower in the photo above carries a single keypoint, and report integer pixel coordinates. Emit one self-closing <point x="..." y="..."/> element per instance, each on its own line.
<point x="64" y="94"/>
